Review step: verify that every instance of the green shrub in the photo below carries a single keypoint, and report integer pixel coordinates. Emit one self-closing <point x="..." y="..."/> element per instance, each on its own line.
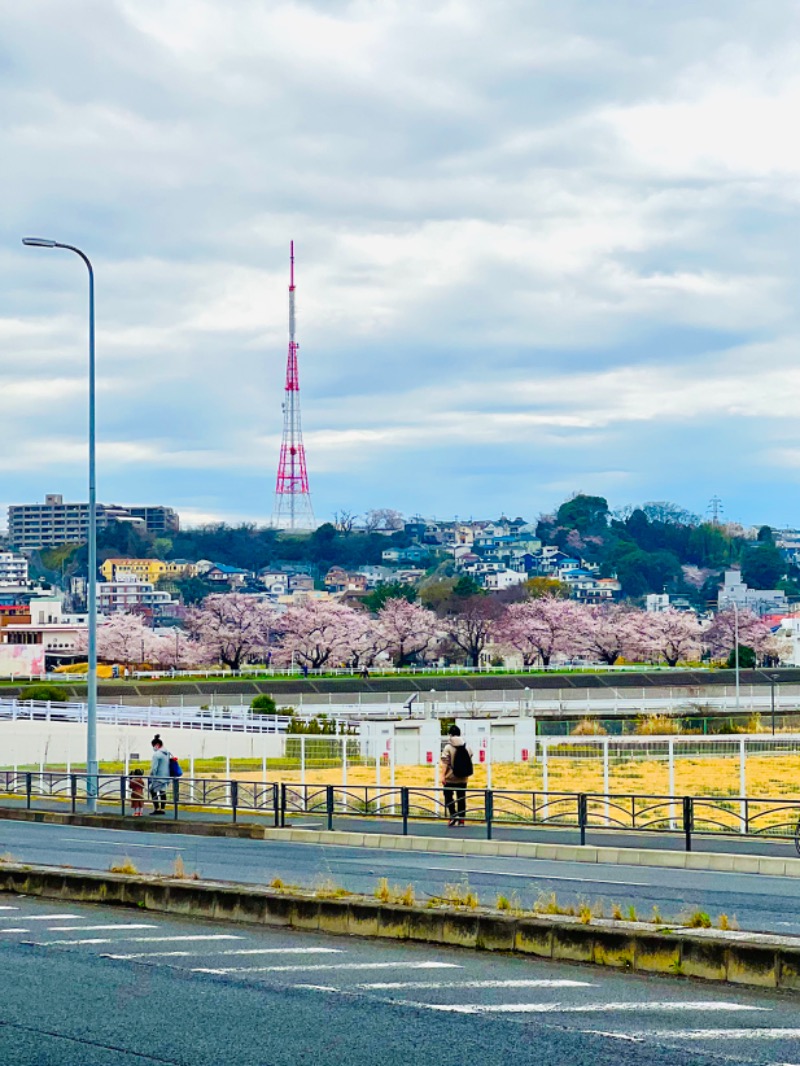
<point x="263" y="705"/>
<point x="54" y="693"/>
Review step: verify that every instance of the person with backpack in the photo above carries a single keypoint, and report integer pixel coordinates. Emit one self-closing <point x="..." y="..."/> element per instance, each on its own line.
<point x="159" y="776"/>
<point x="456" y="771"/>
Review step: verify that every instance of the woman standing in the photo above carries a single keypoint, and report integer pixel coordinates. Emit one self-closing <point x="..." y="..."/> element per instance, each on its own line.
<point x="159" y="776"/>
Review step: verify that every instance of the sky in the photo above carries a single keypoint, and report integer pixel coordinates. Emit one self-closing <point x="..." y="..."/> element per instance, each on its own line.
<point x="542" y="248"/>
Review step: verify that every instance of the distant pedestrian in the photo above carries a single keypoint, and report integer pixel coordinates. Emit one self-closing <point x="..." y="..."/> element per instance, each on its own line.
<point x="304" y="668"/>
<point x="137" y="793"/>
<point x="456" y="771"/>
<point x="159" y="776"/>
<point x="365" y="674"/>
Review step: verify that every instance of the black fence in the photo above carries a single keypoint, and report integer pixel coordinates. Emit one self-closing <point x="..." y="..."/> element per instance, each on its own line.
<point x="335" y="804"/>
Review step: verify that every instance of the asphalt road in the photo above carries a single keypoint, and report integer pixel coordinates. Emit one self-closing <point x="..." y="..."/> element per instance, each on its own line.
<point x="549" y="834"/>
<point x="97" y="986"/>
<point x="757" y="902"/>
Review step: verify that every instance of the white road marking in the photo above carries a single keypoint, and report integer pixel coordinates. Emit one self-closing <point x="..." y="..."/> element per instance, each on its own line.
<point x="387" y="986"/>
<point x="722" y="1034"/>
<point x="236" y="951"/>
<point x="588" y="1008"/>
<point x="9" y="908"/>
<point x="135" y="939"/>
<point x="335" y="966"/>
<point x="95" y="928"/>
<point x="154" y="847"/>
<point x="40" y="917"/>
<point x="14" y="931"/>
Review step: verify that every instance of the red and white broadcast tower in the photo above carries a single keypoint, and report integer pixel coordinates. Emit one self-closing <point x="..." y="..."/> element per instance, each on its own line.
<point x="293" y="508"/>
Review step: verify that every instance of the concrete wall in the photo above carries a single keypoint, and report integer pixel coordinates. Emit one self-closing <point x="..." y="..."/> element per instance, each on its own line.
<point x="65" y="742"/>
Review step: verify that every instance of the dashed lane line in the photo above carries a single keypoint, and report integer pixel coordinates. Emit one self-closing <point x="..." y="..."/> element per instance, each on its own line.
<point x="40" y="917"/>
<point x="130" y="844"/>
<point x="97" y="928"/>
<point x="235" y="951"/>
<point x="591" y="1008"/>
<point x="131" y="940"/>
<point x="390" y="986"/>
<point x="332" y="966"/>
<point x="718" y="1034"/>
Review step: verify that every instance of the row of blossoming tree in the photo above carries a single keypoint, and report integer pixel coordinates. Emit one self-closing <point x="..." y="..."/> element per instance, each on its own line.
<point x="235" y="629"/>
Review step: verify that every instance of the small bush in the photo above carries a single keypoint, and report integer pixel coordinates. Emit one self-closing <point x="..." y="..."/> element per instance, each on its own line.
<point x="383" y="892"/>
<point x="127" y="866"/>
<point x="588" y="727"/>
<point x="503" y="903"/>
<point x="328" y="889"/>
<point x="43" y="693"/>
<point x="656" y="918"/>
<point x="585" y="913"/>
<point x="616" y="912"/>
<point x="657" y="725"/>
<point x="179" y="871"/>
<point x="263" y="705"/>
<point x="461" y="895"/>
<point x="699" y="920"/>
<point x="632" y="915"/>
<point x="276" y="883"/>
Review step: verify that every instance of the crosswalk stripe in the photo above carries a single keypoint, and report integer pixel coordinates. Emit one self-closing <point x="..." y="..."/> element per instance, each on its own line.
<point x="97" y="928"/>
<point x="236" y="951"/>
<point x="388" y="986"/>
<point x="721" y="1034"/>
<point x="586" y="1008"/>
<point x="38" y="917"/>
<point x="335" y="966"/>
<point x="133" y="939"/>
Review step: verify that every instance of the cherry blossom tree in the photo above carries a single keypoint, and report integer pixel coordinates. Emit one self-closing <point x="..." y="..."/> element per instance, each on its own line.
<point x="608" y="631"/>
<point x="231" y="627"/>
<point x="471" y="628"/>
<point x="172" y="648"/>
<point x="540" y="629"/>
<point x="410" y="630"/>
<point x="316" y="633"/>
<point x="122" y="638"/>
<point x="672" y="635"/>
<point x="362" y="639"/>
<point x="753" y="632"/>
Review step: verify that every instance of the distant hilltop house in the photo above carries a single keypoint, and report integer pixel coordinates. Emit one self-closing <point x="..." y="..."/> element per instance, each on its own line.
<point x="152" y="570"/>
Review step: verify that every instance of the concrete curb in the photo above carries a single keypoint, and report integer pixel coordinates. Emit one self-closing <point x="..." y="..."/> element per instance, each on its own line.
<point x="718" y="862"/>
<point x="714" y="862"/>
<point x="754" y="959"/>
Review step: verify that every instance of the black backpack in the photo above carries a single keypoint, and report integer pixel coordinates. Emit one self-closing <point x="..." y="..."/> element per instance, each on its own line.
<point x="461" y="763"/>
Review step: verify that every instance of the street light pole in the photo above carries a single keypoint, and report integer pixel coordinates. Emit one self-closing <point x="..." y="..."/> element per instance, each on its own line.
<point x="736" y="648"/>
<point x="91" y="683"/>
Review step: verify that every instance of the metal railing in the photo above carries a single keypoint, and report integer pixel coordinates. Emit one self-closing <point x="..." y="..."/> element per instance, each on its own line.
<point x="687" y="816"/>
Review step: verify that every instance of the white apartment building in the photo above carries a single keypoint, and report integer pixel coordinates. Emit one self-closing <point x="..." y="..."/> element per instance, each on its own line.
<point x="128" y="593"/>
<point x="760" y="601"/>
<point x="13" y="569"/>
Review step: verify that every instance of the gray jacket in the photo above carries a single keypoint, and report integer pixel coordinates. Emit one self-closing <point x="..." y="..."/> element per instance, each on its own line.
<point x="159" y="770"/>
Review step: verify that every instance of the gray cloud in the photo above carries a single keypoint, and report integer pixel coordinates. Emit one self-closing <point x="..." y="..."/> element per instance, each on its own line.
<point x="538" y="244"/>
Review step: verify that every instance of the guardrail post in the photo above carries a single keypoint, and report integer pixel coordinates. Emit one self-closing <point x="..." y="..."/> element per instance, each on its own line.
<point x="176" y="790"/>
<point x="283" y="805"/>
<point x="582" y="815"/>
<point x="489" y="811"/>
<point x="73" y="790"/>
<point x="688" y="820"/>
<point x="28" y="788"/>
<point x="276" y="805"/>
<point x="329" y="804"/>
<point x="123" y="784"/>
<point x="234" y="798"/>
<point x="404" y="809"/>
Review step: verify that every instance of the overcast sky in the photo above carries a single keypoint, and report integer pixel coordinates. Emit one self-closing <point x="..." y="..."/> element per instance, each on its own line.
<point x="541" y="247"/>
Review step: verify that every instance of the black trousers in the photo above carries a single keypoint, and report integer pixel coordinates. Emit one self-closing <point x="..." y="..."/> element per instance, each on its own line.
<point x="455" y="802"/>
<point x="159" y="800"/>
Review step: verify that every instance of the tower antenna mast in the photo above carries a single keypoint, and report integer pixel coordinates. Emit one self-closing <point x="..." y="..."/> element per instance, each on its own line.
<point x="293" y="510"/>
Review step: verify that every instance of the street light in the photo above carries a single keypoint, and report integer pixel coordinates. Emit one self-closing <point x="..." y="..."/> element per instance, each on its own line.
<point x="91" y="683"/>
<point x="736" y="648"/>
